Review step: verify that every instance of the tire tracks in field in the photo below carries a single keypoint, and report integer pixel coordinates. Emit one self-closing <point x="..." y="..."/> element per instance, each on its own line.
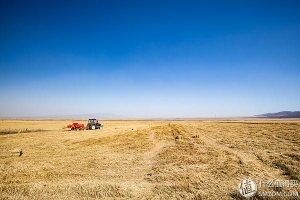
<point x="247" y="160"/>
<point x="243" y="156"/>
<point x="159" y="145"/>
<point x="144" y="187"/>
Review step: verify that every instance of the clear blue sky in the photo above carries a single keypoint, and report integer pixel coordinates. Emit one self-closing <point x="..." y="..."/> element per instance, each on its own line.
<point x="149" y="59"/>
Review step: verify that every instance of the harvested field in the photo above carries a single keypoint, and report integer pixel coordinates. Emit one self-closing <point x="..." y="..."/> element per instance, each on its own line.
<point x="145" y="159"/>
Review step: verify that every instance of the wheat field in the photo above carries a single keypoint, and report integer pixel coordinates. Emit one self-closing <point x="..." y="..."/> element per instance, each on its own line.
<point x="160" y="159"/>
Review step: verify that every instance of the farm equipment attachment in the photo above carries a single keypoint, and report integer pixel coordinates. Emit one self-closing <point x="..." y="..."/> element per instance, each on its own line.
<point x="76" y="126"/>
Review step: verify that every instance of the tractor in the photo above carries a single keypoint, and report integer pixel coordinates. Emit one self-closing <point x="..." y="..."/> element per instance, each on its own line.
<point x="93" y="124"/>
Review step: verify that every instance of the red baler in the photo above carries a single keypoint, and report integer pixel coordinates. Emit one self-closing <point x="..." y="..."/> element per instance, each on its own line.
<point x="76" y="126"/>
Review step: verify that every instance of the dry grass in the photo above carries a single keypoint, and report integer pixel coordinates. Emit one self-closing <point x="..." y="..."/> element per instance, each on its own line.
<point x="145" y="159"/>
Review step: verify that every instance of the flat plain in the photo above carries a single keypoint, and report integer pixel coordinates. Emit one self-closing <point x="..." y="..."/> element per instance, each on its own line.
<point x="159" y="159"/>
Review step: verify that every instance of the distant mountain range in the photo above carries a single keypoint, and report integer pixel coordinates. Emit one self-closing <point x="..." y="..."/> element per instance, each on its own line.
<point x="76" y="116"/>
<point x="282" y="114"/>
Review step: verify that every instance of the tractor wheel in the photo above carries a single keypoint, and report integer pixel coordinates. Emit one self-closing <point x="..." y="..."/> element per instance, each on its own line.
<point x="93" y="127"/>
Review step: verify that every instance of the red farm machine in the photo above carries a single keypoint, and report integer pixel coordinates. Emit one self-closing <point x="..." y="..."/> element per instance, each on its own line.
<point x="76" y="126"/>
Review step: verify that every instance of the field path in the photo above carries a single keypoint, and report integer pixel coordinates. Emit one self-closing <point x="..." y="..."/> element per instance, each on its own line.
<point x="159" y="146"/>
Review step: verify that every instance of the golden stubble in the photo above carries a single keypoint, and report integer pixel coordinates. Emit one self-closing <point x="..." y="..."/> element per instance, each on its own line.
<point x="144" y="159"/>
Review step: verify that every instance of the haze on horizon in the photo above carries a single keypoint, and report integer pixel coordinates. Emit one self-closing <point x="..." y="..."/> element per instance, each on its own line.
<point x="149" y="59"/>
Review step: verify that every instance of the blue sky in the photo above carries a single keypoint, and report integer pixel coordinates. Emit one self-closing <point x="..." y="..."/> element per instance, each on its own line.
<point x="149" y="59"/>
